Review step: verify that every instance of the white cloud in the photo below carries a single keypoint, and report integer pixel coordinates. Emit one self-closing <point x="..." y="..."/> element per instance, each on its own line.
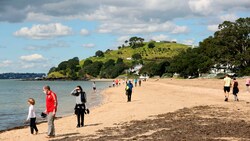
<point x="32" y="16"/>
<point x="160" y="37"/>
<point x="212" y="28"/>
<point x="228" y="17"/>
<point x="89" y="45"/>
<point x="84" y="32"/>
<point x="189" y="42"/>
<point x="57" y="44"/>
<point x="46" y="31"/>
<point x="140" y="28"/>
<point x="33" y="58"/>
<point x="5" y="63"/>
<point x="202" y="7"/>
<point x="123" y="38"/>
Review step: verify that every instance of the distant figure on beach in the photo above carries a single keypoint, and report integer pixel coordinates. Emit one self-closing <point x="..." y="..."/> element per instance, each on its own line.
<point x="94" y="86"/>
<point x="116" y="82"/>
<point x="51" y="109"/>
<point x="140" y="82"/>
<point x="135" y="81"/>
<point x="128" y="89"/>
<point x="227" y="85"/>
<point x="113" y="83"/>
<point x="80" y="107"/>
<point x="247" y="84"/>
<point x="235" y="89"/>
<point x="32" y="116"/>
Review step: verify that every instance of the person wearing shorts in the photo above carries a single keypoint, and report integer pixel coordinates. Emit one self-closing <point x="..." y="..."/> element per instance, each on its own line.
<point x="227" y="85"/>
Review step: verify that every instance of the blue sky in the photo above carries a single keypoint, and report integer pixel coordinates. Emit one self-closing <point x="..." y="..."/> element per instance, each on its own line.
<point x="37" y="35"/>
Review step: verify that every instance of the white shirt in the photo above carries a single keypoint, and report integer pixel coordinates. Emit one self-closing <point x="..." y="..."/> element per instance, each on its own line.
<point x="227" y="81"/>
<point x="31" y="113"/>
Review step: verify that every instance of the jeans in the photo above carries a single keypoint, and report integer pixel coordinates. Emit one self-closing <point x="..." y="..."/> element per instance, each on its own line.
<point x="80" y="109"/>
<point x="33" y="125"/>
<point x="51" y="126"/>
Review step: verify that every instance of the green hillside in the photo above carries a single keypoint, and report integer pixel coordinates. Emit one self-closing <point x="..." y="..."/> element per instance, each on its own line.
<point x="106" y="64"/>
<point x="160" y="51"/>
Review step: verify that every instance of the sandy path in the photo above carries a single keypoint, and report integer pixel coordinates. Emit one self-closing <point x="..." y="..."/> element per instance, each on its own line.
<point x="154" y="97"/>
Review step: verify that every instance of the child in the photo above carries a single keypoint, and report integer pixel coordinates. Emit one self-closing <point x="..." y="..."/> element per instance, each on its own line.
<point x="32" y="116"/>
<point x="235" y="89"/>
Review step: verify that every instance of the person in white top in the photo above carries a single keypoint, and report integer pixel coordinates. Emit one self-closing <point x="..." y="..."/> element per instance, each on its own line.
<point x="80" y="106"/>
<point x="227" y="85"/>
<point x="94" y="86"/>
<point x="32" y="116"/>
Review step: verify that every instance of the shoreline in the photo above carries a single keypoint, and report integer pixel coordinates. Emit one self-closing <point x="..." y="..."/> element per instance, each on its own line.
<point x="43" y="120"/>
<point x="153" y="98"/>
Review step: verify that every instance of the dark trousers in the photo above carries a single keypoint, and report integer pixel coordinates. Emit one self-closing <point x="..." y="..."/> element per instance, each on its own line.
<point x="129" y="94"/>
<point x="80" y="108"/>
<point x="33" y="125"/>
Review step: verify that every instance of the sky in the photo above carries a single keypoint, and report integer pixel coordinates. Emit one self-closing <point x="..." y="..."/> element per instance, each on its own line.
<point x="37" y="35"/>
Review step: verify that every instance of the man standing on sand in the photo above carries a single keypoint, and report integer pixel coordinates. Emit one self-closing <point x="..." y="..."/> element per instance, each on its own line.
<point x="227" y="85"/>
<point x="129" y="88"/>
<point x="51" y="108"/>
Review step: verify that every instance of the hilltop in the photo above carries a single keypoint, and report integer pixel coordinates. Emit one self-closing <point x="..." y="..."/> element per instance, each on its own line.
<point x="126" y="56"/>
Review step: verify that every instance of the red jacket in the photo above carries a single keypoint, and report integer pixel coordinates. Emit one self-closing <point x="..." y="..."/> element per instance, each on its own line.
<point x="51" y="102"/>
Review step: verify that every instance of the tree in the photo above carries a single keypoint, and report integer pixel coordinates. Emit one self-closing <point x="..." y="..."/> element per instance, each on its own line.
<point x="136" y="56"/>
<point x="87" y="62"/>
<point x="62" y="65"/>
<point x="151" y="45"/>
<point x="230" y="46"/>
<point x="53" y="69"/>
<point x="99" y="53"/>
<point x="136" y="42"/>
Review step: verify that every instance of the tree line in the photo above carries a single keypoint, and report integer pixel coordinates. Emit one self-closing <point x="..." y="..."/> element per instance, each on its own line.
<point x="227" y="48"/>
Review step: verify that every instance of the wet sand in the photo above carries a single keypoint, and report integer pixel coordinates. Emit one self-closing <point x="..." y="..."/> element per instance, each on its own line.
<point x="167" y="109"/>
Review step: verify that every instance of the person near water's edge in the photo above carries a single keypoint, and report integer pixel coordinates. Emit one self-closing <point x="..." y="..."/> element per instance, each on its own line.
<point x="235" y="89"/>
<point x="51" y="109"/>
<point x="227" y="85"/>
<point x="94" y="86"/>
<point x="32" y="116"/>
<point x="80" y="107"/>
<point x="129" y="88"/>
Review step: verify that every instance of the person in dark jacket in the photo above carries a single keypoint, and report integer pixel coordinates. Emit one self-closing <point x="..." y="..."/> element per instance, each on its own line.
<point x="129" y="88"/>
<point x="80" y="105"/>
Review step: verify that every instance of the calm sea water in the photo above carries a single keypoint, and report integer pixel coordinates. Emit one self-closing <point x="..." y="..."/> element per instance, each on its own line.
<point x="14" y="95"/>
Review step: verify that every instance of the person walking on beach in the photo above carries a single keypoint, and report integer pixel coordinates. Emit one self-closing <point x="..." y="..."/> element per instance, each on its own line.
<point x="80" y="107"/>
<point x="235" y="89"/>
<point x="129" y="88"/>
<point x="32" y="116"/>
<point x="51" y="109"/>
<point x="140" y="82"/>
<point x="227" y="85"/>
<point x="135" y="81"/>
<point x="94" y="86"/>
<point x="247" y="84"/>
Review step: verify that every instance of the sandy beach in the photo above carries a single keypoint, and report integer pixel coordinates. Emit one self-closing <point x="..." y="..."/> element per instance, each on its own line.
<point x="164" y="109"/>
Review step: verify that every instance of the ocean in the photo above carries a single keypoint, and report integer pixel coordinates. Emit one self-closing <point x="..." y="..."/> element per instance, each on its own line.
<point x="15" y="93"/>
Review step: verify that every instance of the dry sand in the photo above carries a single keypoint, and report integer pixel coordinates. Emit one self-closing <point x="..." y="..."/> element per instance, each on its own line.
<point x="154" y="97"/>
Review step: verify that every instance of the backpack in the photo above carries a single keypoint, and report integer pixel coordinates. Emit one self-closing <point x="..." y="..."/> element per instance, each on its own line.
<point x="83" y="97"/>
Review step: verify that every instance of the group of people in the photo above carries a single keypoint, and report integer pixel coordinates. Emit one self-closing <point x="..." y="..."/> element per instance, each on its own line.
<point x="51" y="109"/>
<point x="228" y="83"/>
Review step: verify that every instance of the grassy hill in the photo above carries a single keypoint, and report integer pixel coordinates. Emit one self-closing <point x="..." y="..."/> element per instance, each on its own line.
<point x="160" y="51"/>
